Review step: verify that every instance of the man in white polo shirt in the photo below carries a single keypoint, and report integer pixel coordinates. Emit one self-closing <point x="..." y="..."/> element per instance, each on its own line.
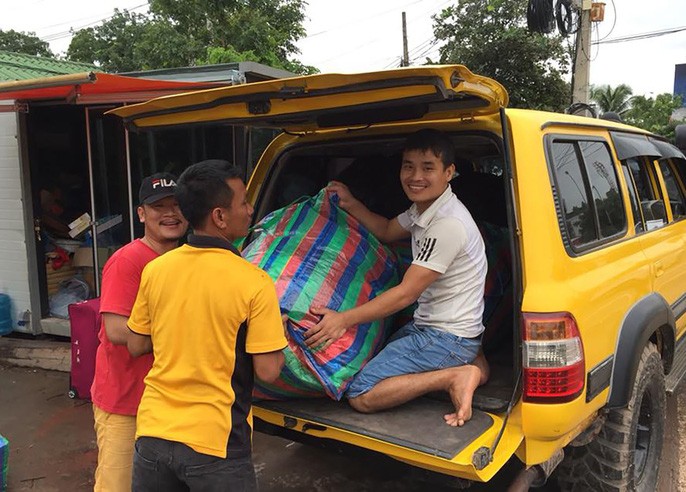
<point x="440" y="348"/>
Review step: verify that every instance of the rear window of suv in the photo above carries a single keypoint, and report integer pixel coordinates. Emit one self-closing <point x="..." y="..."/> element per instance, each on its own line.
<point x="587" y="190"/>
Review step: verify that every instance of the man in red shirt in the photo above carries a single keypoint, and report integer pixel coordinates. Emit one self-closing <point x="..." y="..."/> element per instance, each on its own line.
<point x="118" y="383"/>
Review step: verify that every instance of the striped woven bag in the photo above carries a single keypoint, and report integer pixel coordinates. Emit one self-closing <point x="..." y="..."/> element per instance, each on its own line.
<point x="319" y="255"/>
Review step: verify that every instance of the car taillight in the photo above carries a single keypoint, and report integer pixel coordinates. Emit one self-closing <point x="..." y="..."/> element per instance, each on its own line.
<point x="553" y="358"/>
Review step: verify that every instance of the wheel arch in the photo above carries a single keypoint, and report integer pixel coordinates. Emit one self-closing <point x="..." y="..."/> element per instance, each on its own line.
<point x="649" y="319"/>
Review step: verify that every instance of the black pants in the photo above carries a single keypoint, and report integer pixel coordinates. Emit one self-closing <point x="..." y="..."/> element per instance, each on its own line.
<point x="166" y="466"/>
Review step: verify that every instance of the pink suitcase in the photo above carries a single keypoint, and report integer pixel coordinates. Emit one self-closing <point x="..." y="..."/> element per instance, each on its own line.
<point x="84" y="320"/>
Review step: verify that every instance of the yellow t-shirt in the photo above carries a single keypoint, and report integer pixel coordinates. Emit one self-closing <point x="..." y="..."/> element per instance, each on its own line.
<point x="206" y="310"/>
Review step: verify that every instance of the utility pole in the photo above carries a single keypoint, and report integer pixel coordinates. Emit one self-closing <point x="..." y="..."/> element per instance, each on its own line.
<point x="405" y="62"/>
<point x="582" y="63"/>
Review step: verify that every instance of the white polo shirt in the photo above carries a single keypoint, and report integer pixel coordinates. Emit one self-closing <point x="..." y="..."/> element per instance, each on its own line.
<point x="445" y="239"/>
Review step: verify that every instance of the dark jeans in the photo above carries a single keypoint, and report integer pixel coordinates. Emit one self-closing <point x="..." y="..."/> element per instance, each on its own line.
<point x="166" y="466"/>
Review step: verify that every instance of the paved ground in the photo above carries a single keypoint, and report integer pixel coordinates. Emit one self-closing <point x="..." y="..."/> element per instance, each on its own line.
<point x="52" y="448"/>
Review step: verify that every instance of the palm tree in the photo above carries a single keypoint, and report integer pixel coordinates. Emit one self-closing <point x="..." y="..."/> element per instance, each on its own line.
<point x="617" y="99"/>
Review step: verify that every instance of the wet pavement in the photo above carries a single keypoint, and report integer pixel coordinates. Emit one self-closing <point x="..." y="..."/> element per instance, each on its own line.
<point x="52" y="448"/>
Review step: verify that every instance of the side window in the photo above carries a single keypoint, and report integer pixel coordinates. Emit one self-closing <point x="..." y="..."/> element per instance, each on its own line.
<point x="675" y="191"/>
<point x="604" y="188"/>
<point x="635" y="208"/>
<point x="648" y="191"/>
<point x="588" y="191"/>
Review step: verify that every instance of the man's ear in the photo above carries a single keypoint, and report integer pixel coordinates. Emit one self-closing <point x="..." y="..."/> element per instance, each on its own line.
<point x="141" y="214"/>
<point x="217" y="216"/>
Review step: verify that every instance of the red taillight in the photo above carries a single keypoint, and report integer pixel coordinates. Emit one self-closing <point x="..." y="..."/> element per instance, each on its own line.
<point x="553" y="358"/>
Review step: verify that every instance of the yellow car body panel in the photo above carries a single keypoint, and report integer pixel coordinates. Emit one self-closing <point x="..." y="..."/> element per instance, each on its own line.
<point x="295" y="103"/>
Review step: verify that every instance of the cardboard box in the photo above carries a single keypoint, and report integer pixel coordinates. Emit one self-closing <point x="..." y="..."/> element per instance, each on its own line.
<point x="83" y="257"/>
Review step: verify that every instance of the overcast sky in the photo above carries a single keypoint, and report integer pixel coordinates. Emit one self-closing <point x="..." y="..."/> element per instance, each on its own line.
<point x="364" y="35"/>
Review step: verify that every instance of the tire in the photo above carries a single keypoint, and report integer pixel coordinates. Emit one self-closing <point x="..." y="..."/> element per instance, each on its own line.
<point x="625" y="455"/>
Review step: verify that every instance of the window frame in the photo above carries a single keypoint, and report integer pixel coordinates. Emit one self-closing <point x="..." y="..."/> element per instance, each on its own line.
<point x="575" y="251"/>
<point x="677" y="175"/>
<point x="655" y="181"/>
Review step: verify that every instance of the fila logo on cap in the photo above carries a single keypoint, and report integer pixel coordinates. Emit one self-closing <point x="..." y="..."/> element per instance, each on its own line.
<point x="163" y="183"/>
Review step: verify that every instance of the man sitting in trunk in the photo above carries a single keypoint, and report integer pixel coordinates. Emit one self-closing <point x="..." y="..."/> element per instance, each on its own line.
<point x="440" y="348"/>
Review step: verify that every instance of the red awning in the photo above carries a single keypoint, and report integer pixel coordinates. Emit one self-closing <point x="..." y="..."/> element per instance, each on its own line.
<point x="92" y="87"/>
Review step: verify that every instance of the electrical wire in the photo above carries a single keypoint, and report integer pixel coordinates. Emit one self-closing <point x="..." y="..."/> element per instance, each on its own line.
<point x="566" y="17"/>
<point x="646" y="35"/>
<point x="426" y="51"/>
<point x="99" y="16"/>
<point x="368" y="17"/>
<point x="393" y="61"/>
<point x="70" y="33"/>
<point x="540" y="16"/>
<point x="614" y="22"/>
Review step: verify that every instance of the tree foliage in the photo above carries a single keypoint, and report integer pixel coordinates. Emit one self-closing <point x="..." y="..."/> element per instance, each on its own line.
<point x="196" y="32"/>
<point x="615" y="99"/>
<point x="654" y="115"/>
<point x="24" y="42"/>
<point x="490" y="38"/>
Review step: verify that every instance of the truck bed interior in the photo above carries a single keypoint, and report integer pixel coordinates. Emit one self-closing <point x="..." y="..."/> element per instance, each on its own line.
<point x="370" y="168"/>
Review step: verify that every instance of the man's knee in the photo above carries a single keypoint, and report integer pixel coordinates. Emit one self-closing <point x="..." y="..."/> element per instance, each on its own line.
<point x="361" y="403"/>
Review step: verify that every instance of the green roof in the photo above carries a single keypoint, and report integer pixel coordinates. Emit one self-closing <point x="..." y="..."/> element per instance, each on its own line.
<point x="17" y="66"/>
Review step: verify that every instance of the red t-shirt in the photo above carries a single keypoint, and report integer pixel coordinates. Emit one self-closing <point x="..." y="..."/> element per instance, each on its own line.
<point x="118" y="383"/>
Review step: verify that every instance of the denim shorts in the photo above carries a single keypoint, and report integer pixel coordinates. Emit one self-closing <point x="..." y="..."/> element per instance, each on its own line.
<point x="414" y="349"/>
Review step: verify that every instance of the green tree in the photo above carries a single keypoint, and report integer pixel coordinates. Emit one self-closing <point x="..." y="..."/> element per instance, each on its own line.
<point x="196" y="32"/>
<point x="616" y="99"/>
<point x="128" y="42"/>
<point x="24" y="42"/>
<point x="654" y="115"/>
<point x="490" y="38"/>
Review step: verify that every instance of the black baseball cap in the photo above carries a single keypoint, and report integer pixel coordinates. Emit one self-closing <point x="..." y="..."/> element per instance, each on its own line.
<point x="156" y="187"/>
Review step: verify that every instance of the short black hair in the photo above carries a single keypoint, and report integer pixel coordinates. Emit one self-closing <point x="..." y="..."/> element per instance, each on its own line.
<point x="202" y="187"/>
<point x="436" y="141"/>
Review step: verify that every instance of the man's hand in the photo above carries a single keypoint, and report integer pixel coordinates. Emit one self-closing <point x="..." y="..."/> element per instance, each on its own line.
<point x="346" y="200"/>
<point x="331" y="327"/>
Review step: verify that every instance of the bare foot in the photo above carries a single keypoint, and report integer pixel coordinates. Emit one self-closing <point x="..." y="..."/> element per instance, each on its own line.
<point x="461" y="390"/>
<point x="482" y="364"/>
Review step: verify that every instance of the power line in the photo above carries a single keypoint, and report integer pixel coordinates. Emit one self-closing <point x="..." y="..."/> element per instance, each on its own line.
<point x="355" y="21"/>
<point x="70" y="32"/>
<point x="412" y="19"/>
<point x="646" y="35"/>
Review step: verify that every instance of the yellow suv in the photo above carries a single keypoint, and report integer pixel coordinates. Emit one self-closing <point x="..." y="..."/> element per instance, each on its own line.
<point x="584" y="226"/>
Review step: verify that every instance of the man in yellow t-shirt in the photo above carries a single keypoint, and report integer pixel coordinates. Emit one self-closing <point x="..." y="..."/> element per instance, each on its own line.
<point x="212" y="322"/>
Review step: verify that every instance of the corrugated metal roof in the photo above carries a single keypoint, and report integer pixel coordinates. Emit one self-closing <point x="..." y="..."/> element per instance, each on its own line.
<point x="18" y="66"/>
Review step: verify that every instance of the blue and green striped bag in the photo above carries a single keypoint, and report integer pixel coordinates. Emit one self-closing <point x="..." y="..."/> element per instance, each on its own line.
<point x="4" y="459"/>
<point x="319" y="255"/>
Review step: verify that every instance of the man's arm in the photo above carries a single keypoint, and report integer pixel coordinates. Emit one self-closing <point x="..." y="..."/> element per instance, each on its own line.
<point x="386" y="230"/>
<point x="268" y="365"/>
<point x="333" y="324"/>
<point x="138" y="344"/>
<point x="115" y="328"/>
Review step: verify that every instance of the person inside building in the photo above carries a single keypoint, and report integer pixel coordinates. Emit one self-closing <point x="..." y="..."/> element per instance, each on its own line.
<point x="118" y="383"/>
<point x="440" y="348"/>
<point x="213" y="323"/>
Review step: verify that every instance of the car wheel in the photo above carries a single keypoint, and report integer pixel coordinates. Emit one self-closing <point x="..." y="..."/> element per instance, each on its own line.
<point x="625" y="455"/>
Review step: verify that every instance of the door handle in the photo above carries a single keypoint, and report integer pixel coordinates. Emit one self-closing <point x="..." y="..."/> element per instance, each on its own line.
<point x="659" y="269"/>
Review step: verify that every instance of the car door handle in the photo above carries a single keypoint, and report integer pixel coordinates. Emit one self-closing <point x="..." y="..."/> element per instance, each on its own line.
<point x="659" y="269"/>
